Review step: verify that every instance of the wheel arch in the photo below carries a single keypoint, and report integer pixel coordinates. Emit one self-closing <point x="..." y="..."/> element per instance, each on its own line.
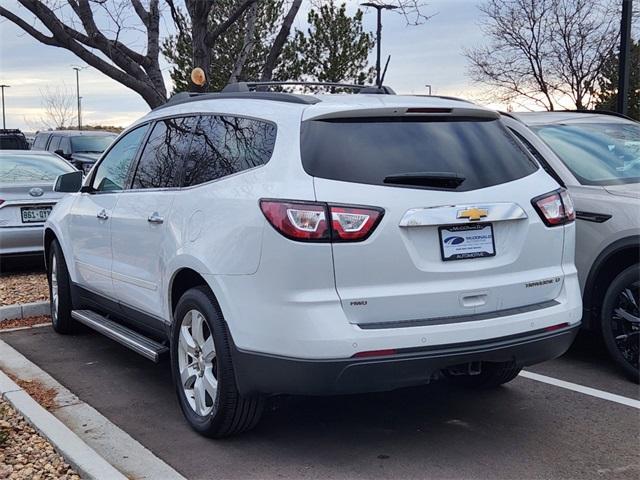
<point x="617" y="256"/>
<point x="49" y="237"/>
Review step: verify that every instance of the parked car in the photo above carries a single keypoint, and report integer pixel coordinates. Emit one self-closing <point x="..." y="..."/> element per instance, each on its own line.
<point x="26" y="198"/>
<point x="81" y="147"/>
<point x="13" y="139"/>
<point x="597" y="157"/>
<point x="277" y="243"/>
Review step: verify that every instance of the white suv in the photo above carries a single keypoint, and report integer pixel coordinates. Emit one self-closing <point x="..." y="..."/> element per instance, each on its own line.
<point x="278" y="243"/>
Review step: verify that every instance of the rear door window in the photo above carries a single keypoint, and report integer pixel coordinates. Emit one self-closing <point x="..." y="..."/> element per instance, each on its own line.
<point x="224" y="145"/>
<point x="40" y="142"/>
<point x="54" y="143"/>
<point x="161" y="160"/>
<point x="368" y="150"/>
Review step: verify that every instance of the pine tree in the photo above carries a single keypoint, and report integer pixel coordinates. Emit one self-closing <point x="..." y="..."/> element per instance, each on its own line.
<point x="607" y="96"/>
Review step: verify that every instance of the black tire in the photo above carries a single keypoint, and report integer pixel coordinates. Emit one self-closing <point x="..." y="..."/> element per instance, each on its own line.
<point x="623" y="351"/>
<point x="491" y="375"/>
<point x="60" y="316"/>
<point x="231" y="413"/>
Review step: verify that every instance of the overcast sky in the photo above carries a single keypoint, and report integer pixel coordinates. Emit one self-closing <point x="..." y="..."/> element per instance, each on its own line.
<point x="426" y="54"/>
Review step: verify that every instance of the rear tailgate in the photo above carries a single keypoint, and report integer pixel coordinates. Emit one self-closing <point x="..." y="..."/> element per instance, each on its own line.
<point x="400" y="273"/>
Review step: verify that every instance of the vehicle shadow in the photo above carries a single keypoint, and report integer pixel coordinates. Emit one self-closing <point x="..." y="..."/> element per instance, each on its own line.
<point x="10" y="265"/>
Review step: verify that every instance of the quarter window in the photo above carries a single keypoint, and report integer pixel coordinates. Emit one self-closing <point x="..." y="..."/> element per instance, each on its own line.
<point x="224" y="145"/>
<point x="164" y="153"/>
<point x="113" y="171"/>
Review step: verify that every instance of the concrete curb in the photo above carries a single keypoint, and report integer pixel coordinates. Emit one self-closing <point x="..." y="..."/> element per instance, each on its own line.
<point x="113" y="444"/>
<point x="80" y="456"/>
<point x="24" y="310"/>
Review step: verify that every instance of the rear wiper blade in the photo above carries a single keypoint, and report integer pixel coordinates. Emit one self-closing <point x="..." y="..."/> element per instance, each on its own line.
<point x="426" y="179"/>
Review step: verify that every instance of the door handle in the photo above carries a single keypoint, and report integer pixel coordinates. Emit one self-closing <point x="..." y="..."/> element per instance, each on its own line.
<point x="155" y="218"/>
<point x="103" y="215"/>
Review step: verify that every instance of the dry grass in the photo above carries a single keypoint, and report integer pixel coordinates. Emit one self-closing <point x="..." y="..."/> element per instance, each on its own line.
<point x="40" y="393"/>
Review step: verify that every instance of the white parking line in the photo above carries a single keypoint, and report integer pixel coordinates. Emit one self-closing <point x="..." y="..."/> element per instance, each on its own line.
<point x="612" y="397"/>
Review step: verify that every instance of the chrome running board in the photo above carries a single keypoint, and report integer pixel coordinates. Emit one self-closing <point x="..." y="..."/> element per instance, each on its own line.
<point x="133" y="340"/>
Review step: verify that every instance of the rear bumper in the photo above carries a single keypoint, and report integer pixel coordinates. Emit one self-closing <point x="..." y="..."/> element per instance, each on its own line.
<point x="257" y="372"/>
<point x="21" y="240"/>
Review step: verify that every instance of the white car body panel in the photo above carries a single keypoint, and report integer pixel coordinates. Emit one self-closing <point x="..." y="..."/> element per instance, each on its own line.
<point x="292" y="299"/>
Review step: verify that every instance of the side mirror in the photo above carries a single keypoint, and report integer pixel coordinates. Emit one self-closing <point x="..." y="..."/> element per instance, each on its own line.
<point x="68" y="182"/>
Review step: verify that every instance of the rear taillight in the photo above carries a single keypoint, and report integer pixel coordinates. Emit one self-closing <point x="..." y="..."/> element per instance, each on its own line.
<point x="555" y="208"/>
<point x="298" y="220"/>
<point x="307" y="221"/>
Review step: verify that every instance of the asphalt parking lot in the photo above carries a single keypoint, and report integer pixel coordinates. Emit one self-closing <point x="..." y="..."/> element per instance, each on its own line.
<point x="527" y="429"/>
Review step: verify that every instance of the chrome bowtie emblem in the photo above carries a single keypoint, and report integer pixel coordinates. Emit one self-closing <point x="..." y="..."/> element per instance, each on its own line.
<point x="36" y="192"/>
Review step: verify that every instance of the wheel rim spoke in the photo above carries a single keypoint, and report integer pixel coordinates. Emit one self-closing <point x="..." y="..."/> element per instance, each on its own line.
<point x="197" y="325"/>
<point x="210" y="383"/>
<point x="199" y="395"/>
<point x="187" y="343"/>
<point x="208" y="350"/>
<point x="188" y="376"/>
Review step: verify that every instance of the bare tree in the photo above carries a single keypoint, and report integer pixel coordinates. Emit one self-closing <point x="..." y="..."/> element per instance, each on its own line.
<point x="543" y="50"/>
<point x="58" y="106"/>
<point x="94" y="30"/>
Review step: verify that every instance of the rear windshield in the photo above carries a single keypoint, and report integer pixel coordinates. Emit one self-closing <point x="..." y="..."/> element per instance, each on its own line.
<point x="87" y="144"/>
<point x="368" y="150"/>
<point x="27" y="168"/>
<point x="13" y="143"/>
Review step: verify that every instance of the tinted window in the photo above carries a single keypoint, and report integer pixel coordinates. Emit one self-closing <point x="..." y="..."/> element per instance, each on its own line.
<point x="538" y="156"/>
<point x="112" y="173"/>
<point x="596" y="153"/>
<point x="65" y="145"/>
<point x="40" y="142"/>
<point x="12" y="142"/>
<point x="223" y="145"/>
<point x="164" y="153"/>
<point x="31" y="168"/>
<point x="361" y="150"/>
<point x="88" y="144"/>
<point x="53" y="144"/>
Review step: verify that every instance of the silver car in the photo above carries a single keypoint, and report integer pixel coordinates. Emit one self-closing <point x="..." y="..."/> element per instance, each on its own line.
<point x="597" y="157"/>
<point x="26" y="198"/>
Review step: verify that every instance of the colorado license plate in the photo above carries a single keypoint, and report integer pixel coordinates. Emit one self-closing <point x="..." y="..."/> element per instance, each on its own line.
<point x="34" y="214"/>
<point x="460" y="242"/>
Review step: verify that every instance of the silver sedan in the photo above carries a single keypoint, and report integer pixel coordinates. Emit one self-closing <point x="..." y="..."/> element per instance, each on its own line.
<point x="26" y="198"/>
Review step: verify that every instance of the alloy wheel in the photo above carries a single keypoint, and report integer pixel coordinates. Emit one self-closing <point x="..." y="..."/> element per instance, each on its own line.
<point x="197" y="363"/>
<point x="625" y="323"/>
<point x="54" y="288"/>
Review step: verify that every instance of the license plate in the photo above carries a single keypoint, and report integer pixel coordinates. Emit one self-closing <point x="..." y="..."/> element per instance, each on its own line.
<point x="460" y="242"/>
<point x="34" y="214"/>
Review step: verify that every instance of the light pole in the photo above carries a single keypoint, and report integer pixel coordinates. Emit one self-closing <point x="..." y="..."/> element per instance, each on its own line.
<point x="429" y="87"/>
<point x="77" y="69"/>
<point x="379" y="7"/>
<point x="624" y="58"/>
<point x="4" y="122"/>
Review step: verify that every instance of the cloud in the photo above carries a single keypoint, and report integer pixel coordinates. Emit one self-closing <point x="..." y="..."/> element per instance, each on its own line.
<point x="430" y="53"/>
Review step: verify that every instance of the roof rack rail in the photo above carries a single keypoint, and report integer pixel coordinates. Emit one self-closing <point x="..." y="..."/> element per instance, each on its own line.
<point x="254" y="86"/>
<point x="600" y="112"/>
<point x="186" y="97"/>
